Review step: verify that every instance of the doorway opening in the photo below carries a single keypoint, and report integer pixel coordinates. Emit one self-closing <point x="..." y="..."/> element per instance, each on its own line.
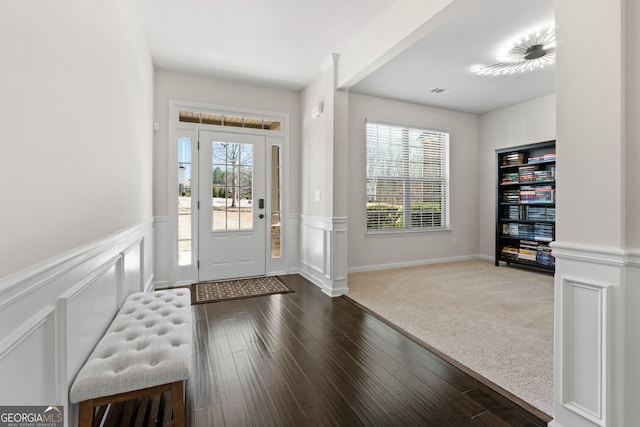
<point x="230" y="217"/>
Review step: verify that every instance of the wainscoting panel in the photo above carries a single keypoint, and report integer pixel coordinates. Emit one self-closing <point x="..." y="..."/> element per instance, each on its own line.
<point x="132" y="267"/>
<point x="88" y="310"/>
<point x="314" y="247"/>
<point x="53" y="314"/>
<point x="163" y="262"/>
<point x="589" y="360"/>
<point x="27" y="358"/>
<point x="323" y="253"/>
<point x="586" y="320"/>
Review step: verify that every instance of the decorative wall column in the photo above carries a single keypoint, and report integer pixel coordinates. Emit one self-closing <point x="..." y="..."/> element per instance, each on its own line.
<point x="597" y="276"/>
<point x="323" y="222"/>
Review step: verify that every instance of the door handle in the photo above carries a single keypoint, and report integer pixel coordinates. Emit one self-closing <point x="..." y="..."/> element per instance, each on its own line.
<point x="261" y="203"/>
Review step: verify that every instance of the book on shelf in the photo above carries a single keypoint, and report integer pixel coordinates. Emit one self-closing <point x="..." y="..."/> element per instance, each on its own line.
<point x="528" y="250"/>
<point x="536" y="194"/>
<point x="543" y="232"/>
<point x="549" y="157"/>
<point x="526" y="231"/>
<point x="544" y="256"/>
<point x="526" y="173"/>
<point x="551" y="214"/>
<point x="511" y="212"/>
<point x="542" y="176"/>
<point x="511" y="196"/>
<point x="511" y="159"/>
<point x="510" y="178"/>
<point x="527" y="194"/>
<point x="510" y="229"/>
<point x="544" y="194"/>
<point x="536" y="213"/>
<point x="510" y="252"/>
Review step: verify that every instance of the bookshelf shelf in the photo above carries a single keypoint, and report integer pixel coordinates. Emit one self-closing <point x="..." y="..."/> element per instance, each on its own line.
<point x="525" y="205"/>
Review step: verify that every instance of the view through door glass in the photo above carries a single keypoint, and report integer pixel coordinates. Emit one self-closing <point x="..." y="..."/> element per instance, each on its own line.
<point x="232" y="188"/>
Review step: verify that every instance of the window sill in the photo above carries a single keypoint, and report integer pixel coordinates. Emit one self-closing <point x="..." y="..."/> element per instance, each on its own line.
<point x="408" y="232"/>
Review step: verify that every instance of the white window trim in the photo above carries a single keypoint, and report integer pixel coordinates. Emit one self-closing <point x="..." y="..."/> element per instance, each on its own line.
<point x="416" y="230"/>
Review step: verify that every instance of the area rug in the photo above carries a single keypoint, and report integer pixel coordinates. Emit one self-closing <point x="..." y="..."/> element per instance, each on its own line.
<point x="496" y="321"/>
<point x="206" y="292"/>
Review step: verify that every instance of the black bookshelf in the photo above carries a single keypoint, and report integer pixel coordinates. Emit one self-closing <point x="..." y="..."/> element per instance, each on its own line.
<point x="526" y="205"/>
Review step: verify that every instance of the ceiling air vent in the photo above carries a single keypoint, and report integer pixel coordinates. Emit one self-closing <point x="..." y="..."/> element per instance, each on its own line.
<point x="438" y="90"/>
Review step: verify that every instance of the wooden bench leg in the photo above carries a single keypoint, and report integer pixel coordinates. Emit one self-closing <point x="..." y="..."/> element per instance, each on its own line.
<point x="177" y="401"/>
<point x="85" y="417"/>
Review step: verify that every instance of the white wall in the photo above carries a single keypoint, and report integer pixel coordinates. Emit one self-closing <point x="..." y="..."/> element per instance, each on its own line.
<point x="521" y="124"/>
<point x="632" y="125"/>
<point x="368" y="252"/>
<point x="75" y="117"/>
<point x="76" y="172"/>
<point x="632" y="229"/>
<point x="317" y="146"/>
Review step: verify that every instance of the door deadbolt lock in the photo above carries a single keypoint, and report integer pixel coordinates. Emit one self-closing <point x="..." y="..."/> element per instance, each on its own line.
<point x="261" y="216"/>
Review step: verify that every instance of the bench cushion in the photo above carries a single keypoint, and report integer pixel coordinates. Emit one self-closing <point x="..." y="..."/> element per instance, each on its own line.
<point x="147" y="344"/>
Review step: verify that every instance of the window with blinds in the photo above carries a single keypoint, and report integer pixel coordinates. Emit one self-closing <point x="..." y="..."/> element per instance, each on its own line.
<point x="407" y="178"/>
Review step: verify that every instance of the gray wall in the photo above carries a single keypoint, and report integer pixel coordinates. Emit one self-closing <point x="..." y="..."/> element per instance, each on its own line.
<point x="368" y="251"/>
<point x="521" y="124"/>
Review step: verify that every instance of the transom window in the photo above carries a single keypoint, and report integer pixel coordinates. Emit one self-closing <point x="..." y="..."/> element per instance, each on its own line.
<point x="407" y="178"/>
<point x="228" y="120"/>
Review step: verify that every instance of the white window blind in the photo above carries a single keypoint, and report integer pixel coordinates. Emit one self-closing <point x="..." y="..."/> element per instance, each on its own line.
<point x="407" y="178"/>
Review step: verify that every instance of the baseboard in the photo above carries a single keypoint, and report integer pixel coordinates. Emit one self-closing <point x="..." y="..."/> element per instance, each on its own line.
<point x="310" y="277"/>
<point x="487" y="257"/>
<point x="414" y="263"/>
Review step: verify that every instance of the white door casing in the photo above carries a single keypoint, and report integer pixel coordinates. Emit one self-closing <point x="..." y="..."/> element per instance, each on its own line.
<point x="232" y="215"/>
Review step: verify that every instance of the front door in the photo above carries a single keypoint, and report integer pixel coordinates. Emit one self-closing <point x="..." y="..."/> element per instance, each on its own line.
<point x="232" y="224"/>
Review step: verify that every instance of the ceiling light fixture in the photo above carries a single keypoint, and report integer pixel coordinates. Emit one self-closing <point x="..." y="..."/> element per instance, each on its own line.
<point x="524" y="54"/>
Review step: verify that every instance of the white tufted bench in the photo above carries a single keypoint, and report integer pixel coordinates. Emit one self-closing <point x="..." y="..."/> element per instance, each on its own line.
<point x="146" y="350"/>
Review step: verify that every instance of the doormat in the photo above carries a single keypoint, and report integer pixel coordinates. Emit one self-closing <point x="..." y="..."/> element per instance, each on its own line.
<point x="236" y="289"/>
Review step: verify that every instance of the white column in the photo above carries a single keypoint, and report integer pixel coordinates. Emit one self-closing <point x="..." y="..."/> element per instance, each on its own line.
<point x="596" y="344"/>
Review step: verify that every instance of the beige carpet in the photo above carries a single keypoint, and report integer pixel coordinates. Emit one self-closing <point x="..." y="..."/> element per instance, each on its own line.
<point x="497" y="321"/>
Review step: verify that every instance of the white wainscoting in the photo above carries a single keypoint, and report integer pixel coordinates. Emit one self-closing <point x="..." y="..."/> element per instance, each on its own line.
<point x="53" y="314"/>
<point x="632" y="338"/>
<point x="590" y="323"/>
<point x="323" y="253"/>
<point x="162" y="253"/>
<point x="586" y="319"/>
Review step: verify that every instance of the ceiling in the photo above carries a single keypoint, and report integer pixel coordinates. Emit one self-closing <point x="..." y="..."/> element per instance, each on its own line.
<point x="283" y="43"/>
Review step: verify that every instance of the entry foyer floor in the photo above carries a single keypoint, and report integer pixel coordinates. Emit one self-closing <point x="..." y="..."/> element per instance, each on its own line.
<point x="303" y="359"/>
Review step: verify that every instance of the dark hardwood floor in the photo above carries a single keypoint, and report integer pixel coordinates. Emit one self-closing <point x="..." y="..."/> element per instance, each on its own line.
<point x="303" y="359"/>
